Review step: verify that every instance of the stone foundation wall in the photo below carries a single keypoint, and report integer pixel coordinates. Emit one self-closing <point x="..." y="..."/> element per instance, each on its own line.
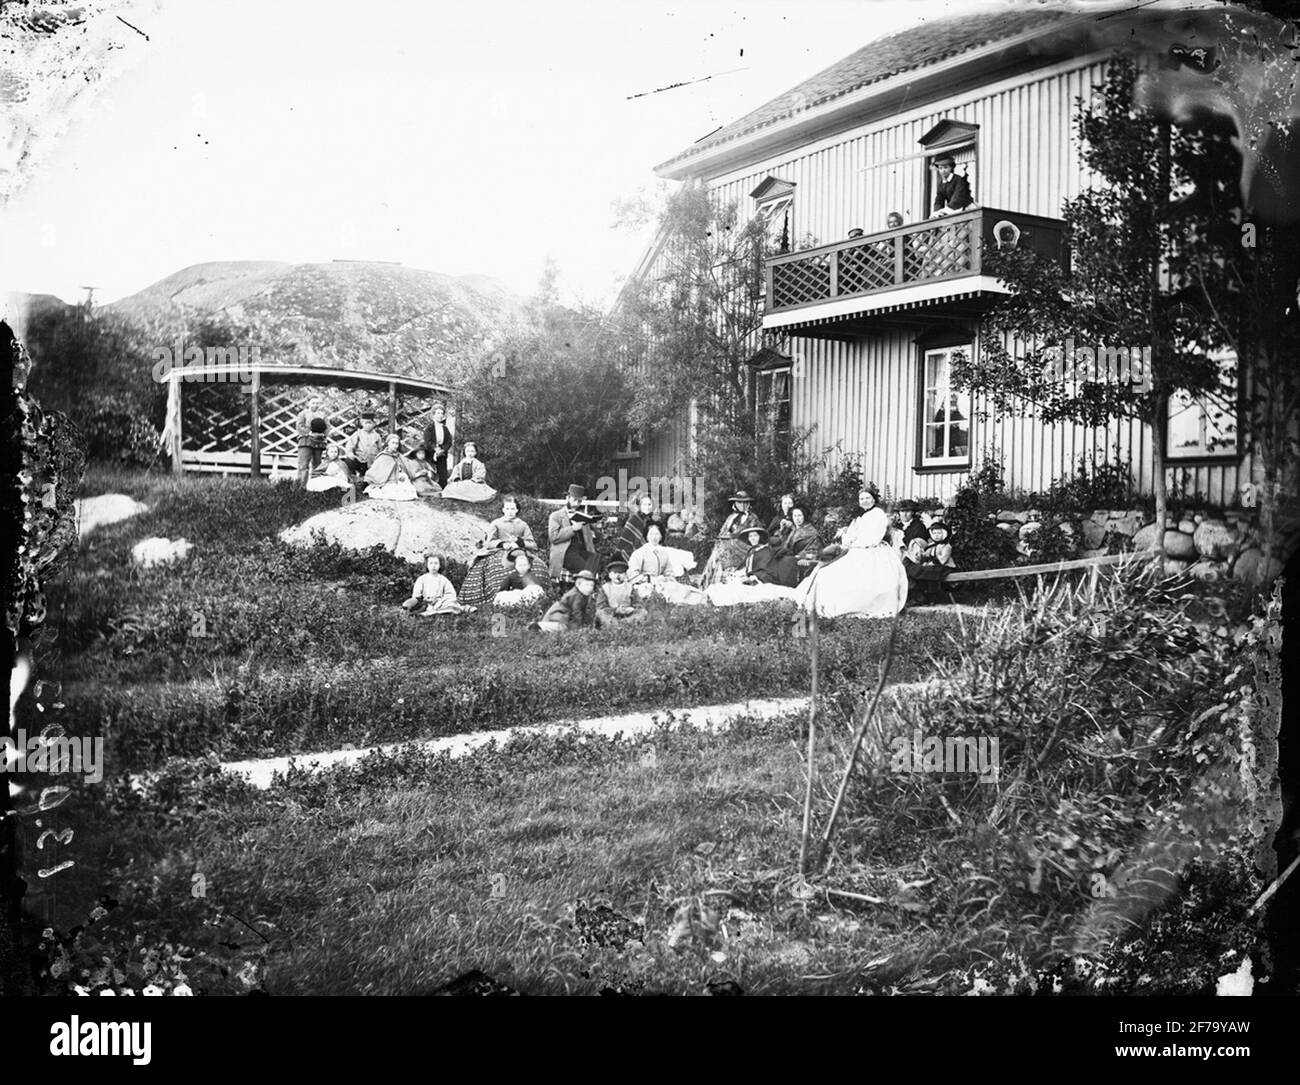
<point x="1208" y="545"/>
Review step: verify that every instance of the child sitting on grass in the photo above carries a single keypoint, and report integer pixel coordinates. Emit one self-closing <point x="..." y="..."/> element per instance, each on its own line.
<point x="619" y="592"/>
<point x="435" y="592"/>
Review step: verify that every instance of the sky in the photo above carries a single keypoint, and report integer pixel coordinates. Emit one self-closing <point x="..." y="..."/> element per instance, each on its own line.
<point x="467" y="138"/>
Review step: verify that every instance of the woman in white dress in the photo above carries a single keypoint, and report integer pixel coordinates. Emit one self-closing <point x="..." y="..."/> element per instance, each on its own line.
<point x="655" y="569"/>
<point x="868" y="578"/>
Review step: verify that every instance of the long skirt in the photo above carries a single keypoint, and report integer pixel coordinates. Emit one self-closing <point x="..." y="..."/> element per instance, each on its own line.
<point x="489" y="572"/>
<point x="728" y="554"/>
<point x="869" y="582"/>
<point x="474" y="492"/>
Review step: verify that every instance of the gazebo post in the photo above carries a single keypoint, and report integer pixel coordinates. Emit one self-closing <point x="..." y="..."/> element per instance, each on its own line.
<point x="174" y="419"/>
<point x="255" y="421"/>
<point x="392" y="407"/>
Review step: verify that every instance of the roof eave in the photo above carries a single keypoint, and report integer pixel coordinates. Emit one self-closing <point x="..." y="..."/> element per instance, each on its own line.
<point x="911" y="85"/>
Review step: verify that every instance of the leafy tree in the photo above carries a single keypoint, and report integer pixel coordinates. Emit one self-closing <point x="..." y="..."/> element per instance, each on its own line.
<point x="550" y="403"/>
<point x="1150" y="247"/>
<point x="689" y="330"/>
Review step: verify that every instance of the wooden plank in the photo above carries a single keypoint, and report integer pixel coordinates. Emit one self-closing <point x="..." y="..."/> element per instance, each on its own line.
<point x="1039" y="570"/>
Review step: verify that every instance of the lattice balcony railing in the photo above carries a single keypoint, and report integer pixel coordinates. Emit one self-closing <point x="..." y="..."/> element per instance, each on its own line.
<point x="930" y="251"/>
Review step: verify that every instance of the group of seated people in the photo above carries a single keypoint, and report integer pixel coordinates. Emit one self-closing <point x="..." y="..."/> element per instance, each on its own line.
<point x="866" y="570"/>
<point x="373" y="465"/>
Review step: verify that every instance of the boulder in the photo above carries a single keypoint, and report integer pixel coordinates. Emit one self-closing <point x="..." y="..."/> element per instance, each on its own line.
<point x="1252" y="567"/>
<point x="160" y="551"/>
<point x="1214" y="539"/>
<point x="1011" y="516"/>
<point x="1176" y="566"/>
<point x="1179" y="544"/>
<point x="93" y="512"/>
<point x="1208" y="571"/>
<point x="1093" y="532"/>
<point x="1187" y="527"/>
<point x="1126" y="523"/>
<point x="1008" y="527"/>
<point x="1198" y="519"/>
<point x="1100" y="516"/>
<point x="406" y="529"/>
<point x="1145" y="538"/>
<point x="1031" y="528"/>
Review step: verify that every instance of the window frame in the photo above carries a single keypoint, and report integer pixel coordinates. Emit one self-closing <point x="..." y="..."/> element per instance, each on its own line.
<point x="769" y="429"/>
<point x="926" y="464"/>
<point x="1201" y="455"/>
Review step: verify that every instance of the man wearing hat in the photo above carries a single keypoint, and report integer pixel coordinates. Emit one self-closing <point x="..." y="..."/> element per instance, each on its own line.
<point x="910" y="525"/>
<point x="584" y="604"/>
<point x="361" y="448"/>
<point x="573" y="543"/>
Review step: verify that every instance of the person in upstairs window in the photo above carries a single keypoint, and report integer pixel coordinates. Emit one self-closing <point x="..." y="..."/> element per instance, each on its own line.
<point x="951" y="192"/>
<point x="893" y="221"/>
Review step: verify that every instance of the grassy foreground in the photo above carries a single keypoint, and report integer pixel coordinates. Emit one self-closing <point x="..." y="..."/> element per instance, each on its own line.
<point x="1110" y="854"/>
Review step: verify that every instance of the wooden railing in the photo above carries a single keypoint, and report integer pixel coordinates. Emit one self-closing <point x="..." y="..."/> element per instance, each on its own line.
<point x="923" y="252"/>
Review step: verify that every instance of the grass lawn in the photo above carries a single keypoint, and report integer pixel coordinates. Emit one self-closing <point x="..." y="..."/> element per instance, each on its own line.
<point x="560" y="867"/>
<point x="308" y="650"/>
<point x="584" y="865"/>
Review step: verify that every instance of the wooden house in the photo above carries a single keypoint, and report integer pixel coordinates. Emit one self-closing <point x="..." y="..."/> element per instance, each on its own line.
<point x="860" y="328"/>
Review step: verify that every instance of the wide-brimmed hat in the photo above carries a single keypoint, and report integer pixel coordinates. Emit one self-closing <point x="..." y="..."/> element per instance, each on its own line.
<point x="584" y="574"/>
<point x="740" y="495"/>
<point x="616" y="566"/>
<point x="940" y="525"/>
<point x="578" y="492"/>
<point x="367" y="414"/>
<point x="908" y="505"/>
<point x="745" y="533"/>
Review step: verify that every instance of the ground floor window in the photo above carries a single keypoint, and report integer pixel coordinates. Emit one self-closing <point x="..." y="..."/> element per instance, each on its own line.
<point x="945" y="411"/>
<point x="1206" y="425"/>
<point x="772" y="408"/>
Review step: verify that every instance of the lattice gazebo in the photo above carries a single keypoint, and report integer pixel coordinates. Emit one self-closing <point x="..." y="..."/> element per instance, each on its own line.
<point x="242" y="418"/>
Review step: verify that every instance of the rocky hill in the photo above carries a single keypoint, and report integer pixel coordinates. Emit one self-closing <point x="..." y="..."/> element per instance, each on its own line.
<point x="351" y="314"/>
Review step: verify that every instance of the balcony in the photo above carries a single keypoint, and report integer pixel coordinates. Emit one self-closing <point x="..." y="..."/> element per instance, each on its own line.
<point x="850" y="287"/>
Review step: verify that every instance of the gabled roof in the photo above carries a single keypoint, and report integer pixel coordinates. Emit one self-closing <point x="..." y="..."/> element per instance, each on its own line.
<point x="909" y="50"/>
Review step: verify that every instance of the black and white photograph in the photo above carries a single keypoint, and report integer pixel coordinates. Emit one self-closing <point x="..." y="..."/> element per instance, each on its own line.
<point x="637" y="499"/>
